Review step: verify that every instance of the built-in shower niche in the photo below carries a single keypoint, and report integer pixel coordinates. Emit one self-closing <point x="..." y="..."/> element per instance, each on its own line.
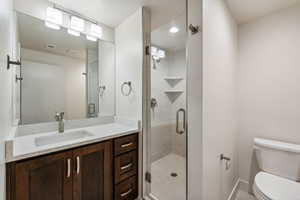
<point x="173" y="81"/>
<point x="173" y="94"/>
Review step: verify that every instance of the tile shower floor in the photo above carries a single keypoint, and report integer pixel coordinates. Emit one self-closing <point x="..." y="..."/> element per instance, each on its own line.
<point x="164" y="186"/>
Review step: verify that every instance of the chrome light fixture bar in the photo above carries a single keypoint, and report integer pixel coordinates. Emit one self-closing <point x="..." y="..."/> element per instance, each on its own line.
<point x="73" y="13"/>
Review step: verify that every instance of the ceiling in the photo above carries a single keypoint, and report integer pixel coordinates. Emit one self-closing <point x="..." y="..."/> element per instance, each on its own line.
<point x="248" y="10"/>
<point x="161" y="37"/>
<point x="165" y="13"/>
<point x="35" y="35"/>
<point x="113" y="12"/>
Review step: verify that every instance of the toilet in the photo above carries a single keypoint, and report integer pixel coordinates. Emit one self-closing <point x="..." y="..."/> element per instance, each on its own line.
<point x="280" y="175"/>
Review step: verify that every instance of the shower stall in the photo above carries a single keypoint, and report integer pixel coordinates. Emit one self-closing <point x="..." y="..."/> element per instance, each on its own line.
<point x="168" y="135"/>
<point x="167" y="132"/>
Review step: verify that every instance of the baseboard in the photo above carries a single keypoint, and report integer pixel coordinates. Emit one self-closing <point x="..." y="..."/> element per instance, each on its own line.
<point x="234" y="191"/>
<point x="150" y="197"/>
<point x="243" y="185"/>
<point x="239" y="185"/>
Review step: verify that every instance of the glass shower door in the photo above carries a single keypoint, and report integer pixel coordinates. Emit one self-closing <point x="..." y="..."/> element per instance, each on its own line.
<point x="167" y="139"/>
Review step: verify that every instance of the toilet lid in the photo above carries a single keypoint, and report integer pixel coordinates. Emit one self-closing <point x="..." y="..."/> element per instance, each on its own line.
<point x="277" y="188"/>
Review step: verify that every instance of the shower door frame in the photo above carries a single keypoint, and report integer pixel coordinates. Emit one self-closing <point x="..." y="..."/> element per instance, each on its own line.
<point x="146" y="122"/>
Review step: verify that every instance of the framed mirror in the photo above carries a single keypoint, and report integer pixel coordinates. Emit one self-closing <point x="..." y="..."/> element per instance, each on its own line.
<point x="63" y="72"/>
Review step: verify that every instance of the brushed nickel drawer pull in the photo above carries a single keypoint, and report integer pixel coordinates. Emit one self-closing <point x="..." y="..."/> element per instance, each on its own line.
<point x="77" y="165"/>
<point x="127" y="145"/>
<point x="126" y="193"/>
<point x="126" y="166"/>
<point x="68" y="168"/>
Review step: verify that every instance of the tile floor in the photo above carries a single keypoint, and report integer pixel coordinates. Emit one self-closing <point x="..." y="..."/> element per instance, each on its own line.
<point x="164" y="186"/>
<point x="241" y="195"/>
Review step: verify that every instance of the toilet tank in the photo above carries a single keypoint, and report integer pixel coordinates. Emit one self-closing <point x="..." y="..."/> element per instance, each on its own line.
<point x="278" y="158"/>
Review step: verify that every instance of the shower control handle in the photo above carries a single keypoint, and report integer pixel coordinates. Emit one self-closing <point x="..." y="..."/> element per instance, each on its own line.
<point x="178" y="130"/>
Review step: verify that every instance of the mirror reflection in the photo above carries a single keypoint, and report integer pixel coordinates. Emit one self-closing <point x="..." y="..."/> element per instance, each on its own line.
<point x="63" y="72"/>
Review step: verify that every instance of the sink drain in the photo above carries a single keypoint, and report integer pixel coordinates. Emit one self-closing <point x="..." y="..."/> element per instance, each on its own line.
<point x="173" y="174"/>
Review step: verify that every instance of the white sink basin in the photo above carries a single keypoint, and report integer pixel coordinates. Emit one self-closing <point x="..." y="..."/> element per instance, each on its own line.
<point x="61" y="137"/>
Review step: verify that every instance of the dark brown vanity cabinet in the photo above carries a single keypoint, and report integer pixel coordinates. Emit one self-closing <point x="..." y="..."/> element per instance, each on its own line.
<point x="45" y="178"/>
<point x="84" y="173"/>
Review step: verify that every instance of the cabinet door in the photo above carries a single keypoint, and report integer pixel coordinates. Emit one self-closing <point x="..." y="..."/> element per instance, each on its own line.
<point x="45" y="178"/>
<point x="92" y="174"/>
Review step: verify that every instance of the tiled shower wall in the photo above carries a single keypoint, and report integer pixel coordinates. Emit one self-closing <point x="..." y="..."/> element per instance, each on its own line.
<point x="164" y="139"/>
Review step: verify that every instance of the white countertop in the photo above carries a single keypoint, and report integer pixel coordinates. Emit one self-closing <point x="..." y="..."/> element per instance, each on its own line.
<point x="22" y="147"/>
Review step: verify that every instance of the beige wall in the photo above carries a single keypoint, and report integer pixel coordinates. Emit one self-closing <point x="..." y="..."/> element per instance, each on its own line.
<point x="7" y="45"/>
<point x="107" y="73"/>
<point x="269" y="75"/>
<point x="219" y="100"/>
<point x="194" y="102"/>
<point x="129" y="65"/>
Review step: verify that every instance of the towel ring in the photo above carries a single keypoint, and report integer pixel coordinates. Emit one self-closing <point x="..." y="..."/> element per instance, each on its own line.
<point x="128" y="83"/>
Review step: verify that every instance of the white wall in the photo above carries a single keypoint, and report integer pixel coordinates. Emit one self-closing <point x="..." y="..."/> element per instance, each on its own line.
<point x="269" y="92"/>
<point x="194" y="102"/>
<point x="7" y="35"/>
<point x="107" y="73"/>
<point x="129" y="65"/>
<point x="16" y="70"/>
<point x="219" y="100"/>
<point x="59" y="78"/>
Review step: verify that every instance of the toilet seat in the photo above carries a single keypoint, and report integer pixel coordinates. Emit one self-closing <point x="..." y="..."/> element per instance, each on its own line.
<point x="269" y="187"/>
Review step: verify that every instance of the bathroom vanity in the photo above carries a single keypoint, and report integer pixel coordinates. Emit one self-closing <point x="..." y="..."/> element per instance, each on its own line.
<point x="68" y="142"/>
<point x="103" y="166"/>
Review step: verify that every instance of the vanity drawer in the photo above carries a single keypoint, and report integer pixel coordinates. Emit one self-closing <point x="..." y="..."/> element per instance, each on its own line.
<point x="126" y="190"/>
<point x="125" y="166"/>
<point x="125" y="144"/>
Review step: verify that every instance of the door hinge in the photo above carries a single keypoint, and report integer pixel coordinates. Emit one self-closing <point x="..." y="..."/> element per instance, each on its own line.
<point x="148" y="177"/>
<point x="147" y="50"/>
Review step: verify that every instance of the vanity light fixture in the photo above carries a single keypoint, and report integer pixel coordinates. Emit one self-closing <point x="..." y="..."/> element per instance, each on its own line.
<point x="157" y="54"/>
<point x="161" y="53"/>
<point x="77" y="24"/>
<point x="51" y="25"/>
<point x="174" y="29"/>
<point x="154" y="50"/>
<point x="96" y="31"/>
<point x="54" y="18"/>
<point x="91" y="38"/>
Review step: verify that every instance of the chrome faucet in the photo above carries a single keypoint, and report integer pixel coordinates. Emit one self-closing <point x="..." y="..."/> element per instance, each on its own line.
<point x="59" y="117"/>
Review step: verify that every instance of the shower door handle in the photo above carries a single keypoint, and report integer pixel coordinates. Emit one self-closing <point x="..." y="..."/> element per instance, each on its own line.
<point x="178" y="130"/>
